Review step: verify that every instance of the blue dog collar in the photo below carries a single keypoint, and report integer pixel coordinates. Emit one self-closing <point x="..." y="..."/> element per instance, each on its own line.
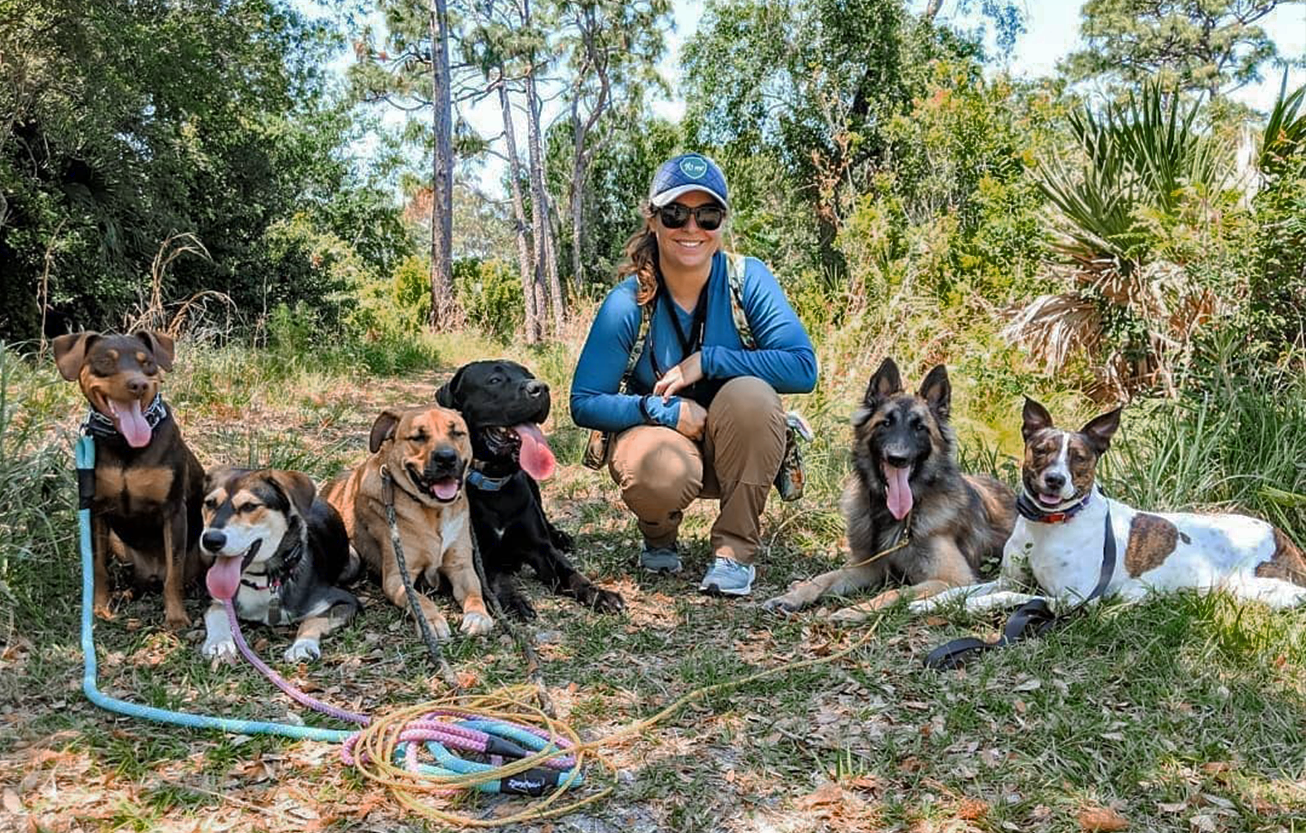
<point x="478" y="480"/>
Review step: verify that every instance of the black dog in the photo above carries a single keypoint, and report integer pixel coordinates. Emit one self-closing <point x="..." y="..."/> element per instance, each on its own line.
<point x="504" y="405"/>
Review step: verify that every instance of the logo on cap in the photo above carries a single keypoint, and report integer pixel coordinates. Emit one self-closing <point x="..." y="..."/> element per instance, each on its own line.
<point x="693" y="167"/>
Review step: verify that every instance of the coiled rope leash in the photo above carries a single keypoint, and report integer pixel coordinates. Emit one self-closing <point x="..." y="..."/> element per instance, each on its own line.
<point x="409" y="750"/>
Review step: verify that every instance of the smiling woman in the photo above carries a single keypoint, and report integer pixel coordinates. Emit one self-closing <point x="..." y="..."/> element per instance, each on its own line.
<point x="682" y="370"/>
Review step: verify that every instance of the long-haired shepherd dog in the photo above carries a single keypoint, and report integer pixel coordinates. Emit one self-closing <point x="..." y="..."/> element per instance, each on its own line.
<point x="911" y="514"/>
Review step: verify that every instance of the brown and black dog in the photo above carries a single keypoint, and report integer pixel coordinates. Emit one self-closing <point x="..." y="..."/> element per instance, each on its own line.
<point x="427" y="452"/>
<point x="906" y="487"/>
<point x="147" y="482"/>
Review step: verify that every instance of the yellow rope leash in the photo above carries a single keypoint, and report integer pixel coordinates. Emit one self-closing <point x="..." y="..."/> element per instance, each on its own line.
<point x="375" y="749"/>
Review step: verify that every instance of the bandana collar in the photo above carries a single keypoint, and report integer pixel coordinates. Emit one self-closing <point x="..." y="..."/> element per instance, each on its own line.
<point x="97" y="424"/>
<point x="1031" y="511"/>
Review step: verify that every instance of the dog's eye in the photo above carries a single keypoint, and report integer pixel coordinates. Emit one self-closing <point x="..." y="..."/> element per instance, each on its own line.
<point x="917" y="424"/>
<point x="149" y="368"/>
<point x="419" y="437"/>
<point x="211" y="503"/>
<point x="457" y="434"/>
<point x="246" y="508"/>
<point x="495" y="380"/>
<point x="889" y="420"/>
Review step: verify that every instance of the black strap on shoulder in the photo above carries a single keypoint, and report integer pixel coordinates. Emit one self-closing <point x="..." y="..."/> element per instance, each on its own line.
<point x="1033" y="618"/>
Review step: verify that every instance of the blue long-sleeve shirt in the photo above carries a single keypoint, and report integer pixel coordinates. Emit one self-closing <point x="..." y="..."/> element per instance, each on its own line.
<point x="784" y="357"/>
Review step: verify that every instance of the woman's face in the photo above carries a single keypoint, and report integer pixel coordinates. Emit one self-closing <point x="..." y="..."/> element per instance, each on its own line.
<point x="688" y="248"/>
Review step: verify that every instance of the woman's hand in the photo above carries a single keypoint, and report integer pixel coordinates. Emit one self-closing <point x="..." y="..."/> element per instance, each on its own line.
<point x="681" y="376"/>
<point x="693" y="418"/>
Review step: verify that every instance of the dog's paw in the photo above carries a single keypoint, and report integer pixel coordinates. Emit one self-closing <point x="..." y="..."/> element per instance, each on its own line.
<point x="222" y="650"/>
<point x="606" y="601"/>
<point x="304" y="650"/>
<point x="848" y="616"/>
<point x="476" y="624"/>
<point x="780" y="605"/>
<point x="176" y="620"/>
<point x="438" y="626"/>
<point x="517" y="606"/>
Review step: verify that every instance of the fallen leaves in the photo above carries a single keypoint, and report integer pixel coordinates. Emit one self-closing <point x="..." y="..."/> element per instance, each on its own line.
<point x="1101" y="820"/>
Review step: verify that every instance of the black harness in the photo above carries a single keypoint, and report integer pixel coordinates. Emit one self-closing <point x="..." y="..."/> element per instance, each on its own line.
<point x="1033" y="618"/>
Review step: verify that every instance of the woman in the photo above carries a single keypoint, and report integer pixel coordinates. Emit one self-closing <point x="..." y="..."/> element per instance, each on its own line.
<point x="700" y="415"/>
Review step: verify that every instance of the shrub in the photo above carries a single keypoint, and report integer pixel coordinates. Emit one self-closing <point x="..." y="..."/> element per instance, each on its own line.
<point x="490" y="293"/>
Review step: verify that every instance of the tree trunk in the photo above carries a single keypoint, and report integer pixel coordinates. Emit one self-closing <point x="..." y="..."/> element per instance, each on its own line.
<point x="932" y="9"/>
<point x="546" y="263"/>
<point x="530" y="290"/>
<point x="442" y="169"/>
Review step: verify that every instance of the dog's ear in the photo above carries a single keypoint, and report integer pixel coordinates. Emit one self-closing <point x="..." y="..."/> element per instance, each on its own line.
<point x="297" y="487"/>
<point x="885" y="383"/>
<point x="447" y="395"/>
<point x="218" y="475"/>
<point x="162" y="346"/>
<point x="1034" y="419"/>
<point x="1101" y="429"/>
<point x="70" y="353"/>
<point x="937" y="391"/>
<point x="383" y="429"/>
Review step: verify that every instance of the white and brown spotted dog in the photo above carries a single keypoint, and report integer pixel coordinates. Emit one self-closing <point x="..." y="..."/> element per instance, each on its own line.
<point x="1057" y="543"/>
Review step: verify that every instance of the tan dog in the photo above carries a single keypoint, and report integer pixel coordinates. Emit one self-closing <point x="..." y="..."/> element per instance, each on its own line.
<point x="426" y="451"/>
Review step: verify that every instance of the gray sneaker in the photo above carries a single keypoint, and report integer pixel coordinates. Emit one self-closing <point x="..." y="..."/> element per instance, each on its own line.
<point x="660" y="559"/>
<point x="728" y="577"/>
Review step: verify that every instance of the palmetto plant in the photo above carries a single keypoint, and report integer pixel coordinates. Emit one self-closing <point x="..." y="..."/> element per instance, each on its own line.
<point x="1129" y="311"/>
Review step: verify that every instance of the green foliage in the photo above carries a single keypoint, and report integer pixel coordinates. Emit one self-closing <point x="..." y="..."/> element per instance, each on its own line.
<point x="1196" y="45"/>
<point x="1277" y="302"/>
<point x="954" y="211"/>
<point x="127" y="123"/>
<point x="1233" y="441"/>
<point x="490" y="294"/>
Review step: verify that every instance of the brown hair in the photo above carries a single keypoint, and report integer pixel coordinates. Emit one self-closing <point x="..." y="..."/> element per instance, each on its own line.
<point x="642" y="259"/>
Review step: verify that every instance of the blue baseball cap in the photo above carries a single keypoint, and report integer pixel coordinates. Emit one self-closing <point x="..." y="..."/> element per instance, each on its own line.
<point x="684" y="173"/>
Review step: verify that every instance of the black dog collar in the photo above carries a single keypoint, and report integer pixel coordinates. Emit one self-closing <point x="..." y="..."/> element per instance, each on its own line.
<point x="279" y="568"/>
<point x="1031" y="511"/>
<point x="97" y="424"/>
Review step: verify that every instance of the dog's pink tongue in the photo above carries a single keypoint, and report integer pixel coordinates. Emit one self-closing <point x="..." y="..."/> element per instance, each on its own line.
<point x="131" y="424"/>
<point x="223" y="578"/>
<point x="899" y="490"/>
<point x="535" y="457"/>
<point x="446" y="489"/>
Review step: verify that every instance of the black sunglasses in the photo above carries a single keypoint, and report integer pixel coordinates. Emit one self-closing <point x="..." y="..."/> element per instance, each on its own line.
<point x="708" y="216"/>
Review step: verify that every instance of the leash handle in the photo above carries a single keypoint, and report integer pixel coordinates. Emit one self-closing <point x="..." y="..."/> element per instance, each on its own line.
<point x="1033" y="618"/>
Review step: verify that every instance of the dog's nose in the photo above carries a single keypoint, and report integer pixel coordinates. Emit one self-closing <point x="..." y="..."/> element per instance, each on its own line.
<point x="898" y="461"/>
<point x="535" y="388"/>
<point x="213" y="540"/>
<point x="137" y="385"/>
<point x="1054" y="480"/>
<point x="444" y="457"/>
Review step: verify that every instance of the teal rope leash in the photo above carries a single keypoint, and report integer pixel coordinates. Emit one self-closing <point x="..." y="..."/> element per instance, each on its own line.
<point x="84" y="454"/>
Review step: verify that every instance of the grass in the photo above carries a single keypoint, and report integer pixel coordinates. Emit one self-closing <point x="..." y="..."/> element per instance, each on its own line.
<point x="1181" y="714"/>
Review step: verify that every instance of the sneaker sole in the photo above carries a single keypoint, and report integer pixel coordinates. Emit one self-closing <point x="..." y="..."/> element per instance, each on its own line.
<point x="715" y="590"/>
<point x="661" y="571"/>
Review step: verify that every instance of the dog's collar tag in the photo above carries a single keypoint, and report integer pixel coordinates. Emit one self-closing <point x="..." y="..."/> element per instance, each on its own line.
<point x="97" y="424"/>
<point x="1031" y="511"/>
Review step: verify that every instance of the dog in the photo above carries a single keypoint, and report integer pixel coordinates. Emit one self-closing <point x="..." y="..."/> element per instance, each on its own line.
<point x="146" y="508"/>
<point x="1058" y="542"/>
<point x="426" y="452"/>
<point x="504" y="405"/>
<point x="279" y="550"/>
<point x="911" y="514"/>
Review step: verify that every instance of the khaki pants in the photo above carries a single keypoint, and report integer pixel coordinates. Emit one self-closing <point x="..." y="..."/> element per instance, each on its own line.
<point x="660" y="471"/>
